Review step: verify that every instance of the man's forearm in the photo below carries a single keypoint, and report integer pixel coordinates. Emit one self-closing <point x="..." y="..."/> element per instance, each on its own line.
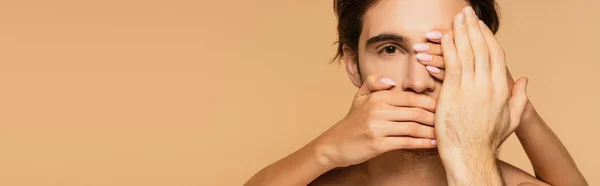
<point x="297" y="169"/>
<point x="472" y="167"/>
<point x="551" y="161"/>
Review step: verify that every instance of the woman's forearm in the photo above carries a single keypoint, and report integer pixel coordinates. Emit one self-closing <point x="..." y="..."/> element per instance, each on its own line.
<point x="551" y="161"/>
<point x="299" y="168"/>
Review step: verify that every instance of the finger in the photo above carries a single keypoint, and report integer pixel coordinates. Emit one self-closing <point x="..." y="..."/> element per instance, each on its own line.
<point x="408" y="114"/>
<point x="431" y="60"/>
<point x="393" y="143"/>
<point x="510" y="82"/>
<point x="408" y="99"/>
<point x="509" y="78"/>
<point x="498" y="63"/>
<point x="428" y="48"/>
<point x="436" y="72"/>
<point x="463" y="47"/>
<point x="452" y="62"/>
<point x="373" y="84"/>
<point x="517" y="102"/>
<point x="433" y="63"/>
<point x="407" y="129"/>
<point x="434" y="36"/>
<point x="479" y="46"/>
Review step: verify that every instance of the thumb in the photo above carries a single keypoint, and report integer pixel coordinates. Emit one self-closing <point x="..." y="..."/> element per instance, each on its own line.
<point x="517" y="102"/>
<point x="374" y="84"/>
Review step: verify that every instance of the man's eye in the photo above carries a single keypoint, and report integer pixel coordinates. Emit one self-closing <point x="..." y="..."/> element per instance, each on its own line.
<point x="390" y="50"/>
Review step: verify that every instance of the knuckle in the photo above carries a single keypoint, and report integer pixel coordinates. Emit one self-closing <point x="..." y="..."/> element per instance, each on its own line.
<point x="370" y="115"/>
<point x="466" y="53"/>
<point x="377" y="97"/>
<point x="405" y="129"/>
<point x="439" y="61"/>
<point x="432" y="103"/>
<point x="371" y="132"/>
<point x="373" y="98"/>
<point x="410" y="128"/>
<point x="499" y="52"/>
<point x="410" y="99"/>
<point x="417" y="113"/>
<point x="454" y="65"/>
<point x="415" y="128"/>
<point x="485" y="47"/>
<point x="406" y="143"/>
<point x="375" y="113"/>
<point x="436" y="49"/>
<point x="468" y="57"/>
<point x="371" y="78"/>
<point x="378" y="145"/>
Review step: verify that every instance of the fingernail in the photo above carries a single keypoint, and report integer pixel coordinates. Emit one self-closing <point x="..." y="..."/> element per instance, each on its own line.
<point x="424" y="57"/>
<point x="433" y="35"/>
<point x="420" y="47"/>
<point x="461" y="18"/>
<point x="469" y="11"/>
<point x="433" y="69"/>
<point x="387" y="81"/>
<point x="448" y="38"/>
<point x="434" y="142"/>
<point x="482" y="24"/>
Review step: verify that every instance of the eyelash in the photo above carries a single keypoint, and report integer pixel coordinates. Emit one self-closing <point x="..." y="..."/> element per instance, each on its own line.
<point x="382" y="51"/>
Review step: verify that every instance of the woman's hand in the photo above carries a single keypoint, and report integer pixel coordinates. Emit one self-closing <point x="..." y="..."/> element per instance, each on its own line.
<point x="475" y="111"/>
<point x="430" y="54"/>
<point x="378" y="122"/>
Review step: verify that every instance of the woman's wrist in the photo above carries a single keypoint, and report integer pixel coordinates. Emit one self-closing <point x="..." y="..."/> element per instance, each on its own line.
<point x="529" y="112"/>
<point x="320" y="155"/>
<point x="530" y="117"/>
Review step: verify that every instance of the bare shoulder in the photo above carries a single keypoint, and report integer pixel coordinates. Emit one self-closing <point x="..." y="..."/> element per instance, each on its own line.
<point x="514" y="176"/>
<point x="351" y="176"/>
<point x="346" y="176"/>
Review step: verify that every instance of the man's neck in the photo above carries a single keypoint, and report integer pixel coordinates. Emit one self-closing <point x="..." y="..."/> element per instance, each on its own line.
<point x="403" y="167"/>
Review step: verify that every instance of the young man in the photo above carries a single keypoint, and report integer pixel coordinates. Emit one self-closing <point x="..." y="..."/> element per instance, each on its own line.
<point x="405" y="126"/>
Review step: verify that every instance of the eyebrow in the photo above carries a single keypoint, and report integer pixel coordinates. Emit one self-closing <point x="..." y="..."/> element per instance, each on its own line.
<point x="387" y="37"/>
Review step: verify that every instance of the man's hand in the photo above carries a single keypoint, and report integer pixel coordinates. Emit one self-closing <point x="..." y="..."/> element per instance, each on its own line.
<point x="431" y="55"/>
<point x="378" y="122"/>
<point x="475" y="111"/>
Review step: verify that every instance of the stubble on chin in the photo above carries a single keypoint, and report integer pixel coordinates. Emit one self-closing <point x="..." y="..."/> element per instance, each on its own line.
<point x="421" y="154"/>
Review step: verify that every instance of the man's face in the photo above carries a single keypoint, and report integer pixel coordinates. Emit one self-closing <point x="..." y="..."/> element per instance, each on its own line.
<point x="390" y="28"/>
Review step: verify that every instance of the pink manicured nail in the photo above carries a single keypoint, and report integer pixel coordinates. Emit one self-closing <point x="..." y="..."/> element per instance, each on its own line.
<point x="461" y="18"/>
<point x="433" y="69"/>
<point x="424" y="57"/>
<point x="434" y="142"/>
<point x="421" y="47"/>
<point x="433" y="35"/>
<point x="387" y="81"/>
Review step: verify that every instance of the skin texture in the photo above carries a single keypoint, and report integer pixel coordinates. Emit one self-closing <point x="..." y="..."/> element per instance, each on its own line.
<point x="475" y="107"/>
<point x="386" y="138"/>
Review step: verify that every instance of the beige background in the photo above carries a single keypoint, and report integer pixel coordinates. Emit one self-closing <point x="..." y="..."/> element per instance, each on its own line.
<point x="182" y="92"/>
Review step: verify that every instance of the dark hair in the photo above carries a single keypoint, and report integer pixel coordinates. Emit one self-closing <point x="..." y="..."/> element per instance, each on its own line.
<point x="350" y="15"/>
